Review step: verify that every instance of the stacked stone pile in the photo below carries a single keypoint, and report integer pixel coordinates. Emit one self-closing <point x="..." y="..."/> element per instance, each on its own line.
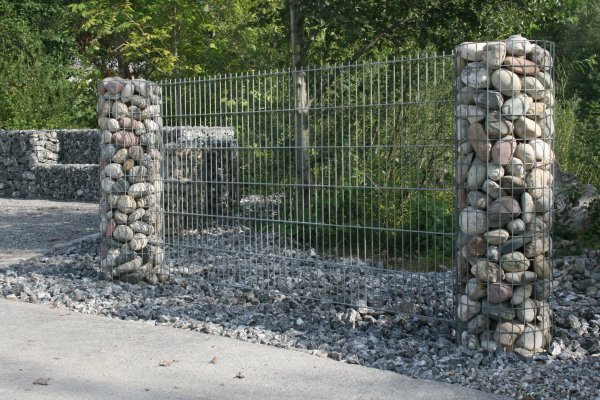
<point x="78" y="146"/>
<point x="505" y="101"/>
<point x="20" y="153"/>
<point x="54" y="164"/>
<point x="129" y="117"/>
<point x="201" y="166"/>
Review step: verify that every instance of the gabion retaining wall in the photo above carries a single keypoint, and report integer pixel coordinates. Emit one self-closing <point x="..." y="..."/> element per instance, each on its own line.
<point x="505" y="127"/>
<point x="78" y="147"/>
<point x="200" y="175"/>
<point x="51" y="164"/>
<point x="131" y="188"/>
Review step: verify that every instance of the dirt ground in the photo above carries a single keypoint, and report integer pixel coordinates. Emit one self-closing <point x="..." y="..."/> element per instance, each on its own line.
<point x="33" y="227"/>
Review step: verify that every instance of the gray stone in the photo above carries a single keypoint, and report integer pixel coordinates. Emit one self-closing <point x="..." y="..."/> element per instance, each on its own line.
<point x="488" y="99"/>
<point x="496" y="236"/>
<point x="526" y="154"/>
<point x="543" y="151"/>
<point x="527" y="208"/>
<point x="466" y="95"/>
<point x="493" y="189"/>
<point x="477" y="174"/>
<point x="494" y="54"/>
<point x="526" y="128"/>
<point x="125" y="203"/>
<point x="471" y="113"/>
<point x="476" y="199"/>
<point x="533" y="87"/>
<point x="467" y="308"/>
<point x="502" y="311"/>
<point x="479" y="323"/>
<point x="114" y="171"/>
<point x="516" y="243"/>
<point x="473" y="221"/>
<point x="120" y="218"/>
<point x="120" y="186"/>
<point x="520" y="294"/>
<point x="128" y="267"/>
<point x="139" y="190"/>
<point x="502" y="210"/>
<point x="138" y="174"/>
<point x="487" y="271"/>
<point x="515" y="261"/>
<point x="542" y="267"/>
<point x="513" y="185"/>
<point x="475" y="289"/>
<point x="499" y="292"/>
<point x="475" y="74"/>
<point x="514" y="167"/>
<point x="136" y="215"/>
<point x="526" y="311"/>
<point x="496" y="126"/>
<point x="507" y="332"/>
<point x="122" y="233"/>
<point x="541" y="57"/>
<point x="471" y="51"/>
<point x="531" y="339"/>
<point x="515" y="107"/>
<point x="516" y="226"/>
<point x="506" y="82"/>
<point x="495" y="171"/>
<point x="138" y="242"/>
<point x="517" y="45"/>
<point x="142" y="227"/>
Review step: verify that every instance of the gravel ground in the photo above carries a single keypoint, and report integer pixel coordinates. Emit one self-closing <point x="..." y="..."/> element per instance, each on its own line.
<point x="417" y="347"/>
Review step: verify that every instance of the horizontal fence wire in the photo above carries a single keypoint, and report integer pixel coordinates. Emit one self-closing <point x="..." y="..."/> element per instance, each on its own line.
<point x="334" y="183"/>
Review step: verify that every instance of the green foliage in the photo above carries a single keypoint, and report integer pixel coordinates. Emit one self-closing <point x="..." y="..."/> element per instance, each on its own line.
<point x="40" y="84"/>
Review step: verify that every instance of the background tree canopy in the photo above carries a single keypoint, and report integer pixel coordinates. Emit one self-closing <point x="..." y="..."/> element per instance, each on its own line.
<point x="53" y="49"/>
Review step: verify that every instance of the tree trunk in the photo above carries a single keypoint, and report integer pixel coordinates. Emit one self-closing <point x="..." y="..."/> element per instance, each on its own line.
<point x="301" y="101"/>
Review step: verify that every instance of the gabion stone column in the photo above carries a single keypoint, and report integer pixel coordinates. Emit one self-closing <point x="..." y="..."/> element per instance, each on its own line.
<point x="505" y="129"/>
<point x="131" y="188"/>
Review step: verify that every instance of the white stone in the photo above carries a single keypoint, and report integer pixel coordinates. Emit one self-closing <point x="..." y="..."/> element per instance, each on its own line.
<point x="473" y="221"/>
<point x="517" y="45"/>
<point x="467" y="308"/>
<point x="475" y="75"/>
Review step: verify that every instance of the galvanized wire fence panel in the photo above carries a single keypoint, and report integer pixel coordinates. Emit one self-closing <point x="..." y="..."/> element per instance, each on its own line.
<point x="334" y="183"/>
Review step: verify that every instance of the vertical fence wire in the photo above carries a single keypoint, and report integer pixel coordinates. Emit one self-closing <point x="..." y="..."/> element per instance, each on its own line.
<point x="372" y="224"/>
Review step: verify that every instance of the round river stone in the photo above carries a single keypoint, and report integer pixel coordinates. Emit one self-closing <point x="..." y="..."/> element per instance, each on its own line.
<point x="473" y="221"/>
<point x="502" y="210"/>
<point x="520" y="65"/>
<point x="502" y="151"/>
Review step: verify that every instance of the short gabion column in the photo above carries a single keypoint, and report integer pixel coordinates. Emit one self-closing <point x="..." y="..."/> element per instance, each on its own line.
<point x="505" y="129"/>
<point x="131" y="187"/>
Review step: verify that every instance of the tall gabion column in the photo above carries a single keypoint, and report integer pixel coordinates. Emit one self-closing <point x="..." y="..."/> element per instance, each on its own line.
<point x="131" y="187"/>
<point x="505" y="128"/>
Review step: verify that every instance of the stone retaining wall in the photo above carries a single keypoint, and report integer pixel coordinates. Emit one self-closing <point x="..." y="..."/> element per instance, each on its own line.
<point x="78" y="146"/>
<point x="200" y="176"/>
<point x="505" y="128"/>
<point x="51" y="164"/>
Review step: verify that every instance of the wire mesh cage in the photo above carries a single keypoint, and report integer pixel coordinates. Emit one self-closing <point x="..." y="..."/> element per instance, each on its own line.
<point x="505" y="176"/>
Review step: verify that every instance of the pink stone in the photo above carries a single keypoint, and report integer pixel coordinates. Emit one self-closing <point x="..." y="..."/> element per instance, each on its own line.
<point x="503" y="210"/>
<point x="499" y="292"/>
<point x="521" y="66"/>
<point x="503" y="150"/>
<point x="125" y="138"/>
<point x="113" y="86"/>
